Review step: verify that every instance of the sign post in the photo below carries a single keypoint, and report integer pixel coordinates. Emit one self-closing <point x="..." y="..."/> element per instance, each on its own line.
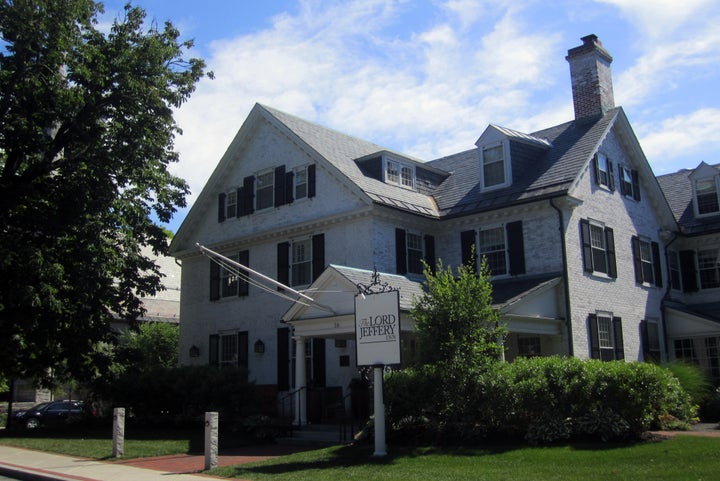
<point x="377" y="342"/>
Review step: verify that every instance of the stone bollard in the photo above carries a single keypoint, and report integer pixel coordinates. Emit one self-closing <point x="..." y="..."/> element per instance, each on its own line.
<point x="211" y="440"/>
<point x="118" y="432"/>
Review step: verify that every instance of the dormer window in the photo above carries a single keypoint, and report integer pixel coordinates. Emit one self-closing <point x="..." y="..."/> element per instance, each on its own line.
<point x="706" y="196"/>
<point x="495" y="163"/>
<point x="399" y="174"/>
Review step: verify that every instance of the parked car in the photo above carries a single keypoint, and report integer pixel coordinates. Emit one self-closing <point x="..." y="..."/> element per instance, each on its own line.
<point x="51" y="413"/>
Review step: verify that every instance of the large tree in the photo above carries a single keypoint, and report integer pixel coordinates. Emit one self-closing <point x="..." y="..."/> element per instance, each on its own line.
<point x="86" y="139"/>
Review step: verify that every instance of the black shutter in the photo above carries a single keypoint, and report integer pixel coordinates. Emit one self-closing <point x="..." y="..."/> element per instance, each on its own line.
<point x="280" y="186"/>
<point x="611" y="175"/>
<point x="238" y="196"/>
<point x="516" y="247"/>
<point x="400" y="252"/>
<point x="318" y="255"/>
<point x="214" y="350"/>
<point x="657" y="269"/>
<point x="610" y="249"/>
<point x="311" y="180"/>
<point x="586" y="245"/>
<point x="289" y="187"/>
<point x="214" y="281"/>
<point x="689" y="274"/>
<point x="243" y="349"/>
<point x="645" y="339"/>
<point x="594" y="336"/>
<point x="636" y="185"/>
<point x="283" y="263"/>
<point x="318" y="364"/>
<point x="637" y="262"/>
<point x="618" y="334"/>
<point x="467" y="242"/>
<point x="247" y="197"/>
<point x="283" y="358"/>
<point x="430" y="252"/>
<point x="221" y="207"/>
<point x="243" y="285"/>
<point x="596" y="169"/>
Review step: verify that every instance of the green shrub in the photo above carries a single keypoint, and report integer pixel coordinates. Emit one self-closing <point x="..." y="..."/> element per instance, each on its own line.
<point x="692" y="379"/>
<point x="541" y="400"/>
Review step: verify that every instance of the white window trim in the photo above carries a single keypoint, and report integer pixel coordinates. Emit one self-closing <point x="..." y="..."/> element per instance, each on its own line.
<point x="595" y="272"/>
<point x="228" y="195"/>
<point x="698" y="268"/>
<point x="303" y="168"/>
<point x="648" y="242"/>
<point x="608" y="171"/>
<point x="407" y="249"/>
<point x="609" y="316"/>
<point x="293" y="263"/>
<point x="696" y="207"/>
<point x="506" y="165"/>
<point x="503" y="228"/>
<point x="630" y="194"/>
<point x="400" y="165"/>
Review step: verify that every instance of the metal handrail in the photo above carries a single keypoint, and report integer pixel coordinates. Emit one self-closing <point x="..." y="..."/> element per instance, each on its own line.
<point x="346" y="419"/>
<point x="291" y="396"/>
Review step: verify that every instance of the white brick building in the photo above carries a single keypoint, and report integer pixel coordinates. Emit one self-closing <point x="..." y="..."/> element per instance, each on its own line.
<point x="570" y="218"/>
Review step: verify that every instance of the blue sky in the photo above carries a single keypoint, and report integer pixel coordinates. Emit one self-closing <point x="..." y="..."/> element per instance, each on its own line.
<point x="425" y="77"/>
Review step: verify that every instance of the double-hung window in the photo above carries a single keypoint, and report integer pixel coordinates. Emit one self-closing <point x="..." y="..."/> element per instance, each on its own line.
<point x="301" y="263"/>
<point x="229" y="280"/>
<point x="674" y="267"/>
<point x="231" y="204"/>
<point x="264" y="190"/>
<point x="301" y="182"/>
<point x="646" y="259"/>
<point x="493" y="166"/>
<point x="415" y="254"/>
<point x="493" y="248"/>
<point x="629" y="183"/>
<point x="598" y="242"/>
<point x="604" y="171"/>
<point x="606" y="337"/>
<point x="707" y="196"/>
<point x="709" y="267"/>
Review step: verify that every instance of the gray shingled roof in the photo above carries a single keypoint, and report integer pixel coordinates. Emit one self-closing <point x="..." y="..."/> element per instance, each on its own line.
<point x="537" y="173"/>
<point x="342" y="150"/>
<point x="678" y="191"/>
<point x="544" y="164"/>
<point x="407" y="287"/>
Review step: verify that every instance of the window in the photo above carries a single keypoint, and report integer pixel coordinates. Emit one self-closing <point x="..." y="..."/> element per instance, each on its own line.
<point x="706" y="196"/>
<point x="685" y="351"/>
<point x="606" y="339"/>
<point x="598" y="244"/>
<point x="229" y="349"/>
<point x="414" y="253"/>
<point x="646" y="258"/>
<point x="503" y="247"/>
<point x="492" y="247"/>
<point x="301" y="183"/>
<point x="399" y="174"/>
<point x="301" y="263"/>
<point x="629" y="183"/>
<point x="228" y="281"/>
<point x="604" y="171"/>
<point x="709" y="268"/>
<point x="674" y="266"/>
<point x="529" y="346"/>
<point x="231" y="204"/>
<point x="493" y="166"/>
<point x="264" y="190"/>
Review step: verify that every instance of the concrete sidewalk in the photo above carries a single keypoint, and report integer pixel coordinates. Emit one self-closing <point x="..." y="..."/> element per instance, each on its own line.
<point x="37" y="465"/>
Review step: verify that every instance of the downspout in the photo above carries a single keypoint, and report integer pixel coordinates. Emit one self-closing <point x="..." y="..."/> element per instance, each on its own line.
<point x="666" y="296"/>
<point x="568" y="320"/>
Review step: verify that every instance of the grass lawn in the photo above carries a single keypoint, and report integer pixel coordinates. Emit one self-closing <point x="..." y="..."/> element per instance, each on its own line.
<point x="97" y="442"/>
<point x="681" y="458"/>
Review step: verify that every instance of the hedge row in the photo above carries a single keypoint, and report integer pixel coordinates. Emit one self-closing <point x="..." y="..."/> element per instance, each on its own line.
<point x="542" y="400"/>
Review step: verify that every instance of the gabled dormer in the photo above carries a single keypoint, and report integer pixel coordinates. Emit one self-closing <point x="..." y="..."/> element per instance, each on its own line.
<point x="705" y="181"/>
<point x="495" y="155"/>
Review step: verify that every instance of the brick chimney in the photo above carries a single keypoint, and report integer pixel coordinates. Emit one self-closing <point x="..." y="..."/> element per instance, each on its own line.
<point x="591" y="78"/>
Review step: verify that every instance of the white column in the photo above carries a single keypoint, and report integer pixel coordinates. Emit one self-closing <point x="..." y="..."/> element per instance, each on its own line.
<point x="211" y="440"/>
<point x="300" y="382"/>
<point x="118" y="432"/>
<point x="380" y="448"/>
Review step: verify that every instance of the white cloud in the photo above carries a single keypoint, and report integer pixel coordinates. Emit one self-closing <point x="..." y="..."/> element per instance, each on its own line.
<point x="661" y="18"/>
<point x="681" y="140"/>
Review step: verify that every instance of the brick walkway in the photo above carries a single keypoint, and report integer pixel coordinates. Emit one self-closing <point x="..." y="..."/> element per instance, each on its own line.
<point x="190" y="463"/>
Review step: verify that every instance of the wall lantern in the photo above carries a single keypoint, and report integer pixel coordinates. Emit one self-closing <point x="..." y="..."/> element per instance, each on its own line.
<point x="259" y="347"/>
<point x="194" y="351"/>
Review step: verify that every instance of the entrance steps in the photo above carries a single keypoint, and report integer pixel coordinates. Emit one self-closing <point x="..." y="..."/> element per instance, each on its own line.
<point x="319" y="434"/>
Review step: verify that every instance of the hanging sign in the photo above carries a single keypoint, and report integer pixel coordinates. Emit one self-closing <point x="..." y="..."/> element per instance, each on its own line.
<point x="377" y="328"/>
